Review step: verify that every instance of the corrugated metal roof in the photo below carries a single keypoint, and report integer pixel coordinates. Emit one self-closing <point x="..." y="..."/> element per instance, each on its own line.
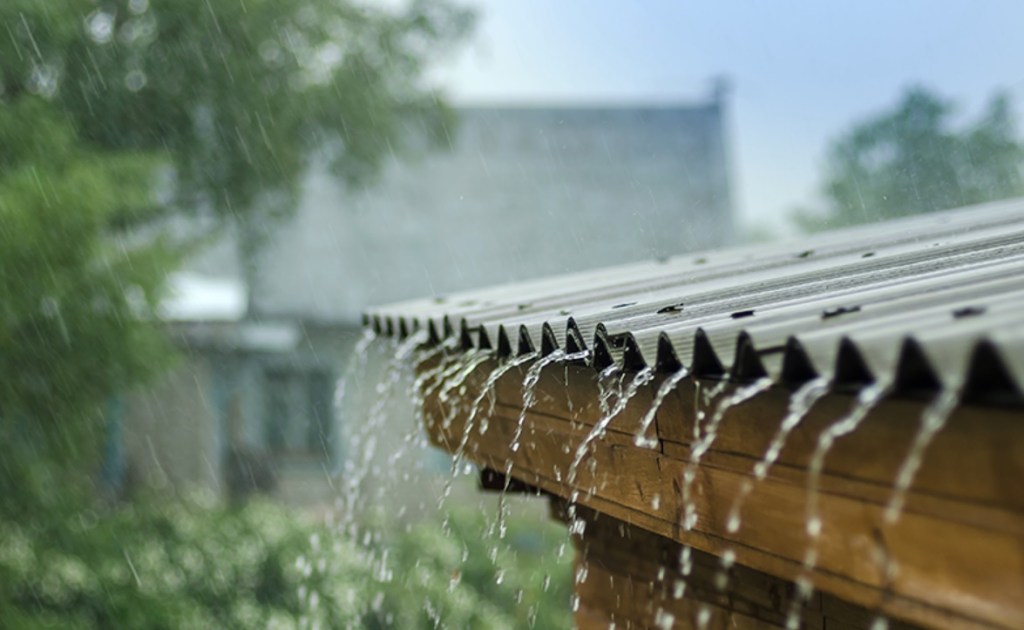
<point x="922" y="304"/>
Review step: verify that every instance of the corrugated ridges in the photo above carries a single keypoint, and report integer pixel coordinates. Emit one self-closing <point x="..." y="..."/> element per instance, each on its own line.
<point x="919" y="304"/>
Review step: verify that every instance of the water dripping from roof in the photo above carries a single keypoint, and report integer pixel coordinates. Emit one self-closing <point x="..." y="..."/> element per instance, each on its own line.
<point x="667" y="386"/>
<point x="530" y="382"/>
<point x="800" y="404"/>
<point x="704" y="443"/>
<point x="487" y="391"/>
<point x="866" y="400"/>
<point x="933" y="419"/>
<point x="643" y="377"/>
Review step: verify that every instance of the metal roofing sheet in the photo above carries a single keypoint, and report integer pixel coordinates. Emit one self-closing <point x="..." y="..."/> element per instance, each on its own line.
<point x="922" y="303"/>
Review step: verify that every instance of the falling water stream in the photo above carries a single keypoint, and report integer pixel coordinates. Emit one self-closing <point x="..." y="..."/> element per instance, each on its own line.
<point x="800" y="404"/>
<point x="667" y="386"/>
<point x="933" y="419"/>
<point x="364" y="441"/>
<point x="701" y="445"/>
<point x="643" y="377"/>
<point x="530" y="391"/>
<point x="704" y="443"/>
<point x="605" y="391"/>
<point x="474" y="410"/>
<point x="866" y="400"/>
<point x="530" y="382"/>
<point x="357" y="362"/>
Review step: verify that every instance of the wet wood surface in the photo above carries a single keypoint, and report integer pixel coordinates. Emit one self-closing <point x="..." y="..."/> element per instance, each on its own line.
<point x="954" y="558"/>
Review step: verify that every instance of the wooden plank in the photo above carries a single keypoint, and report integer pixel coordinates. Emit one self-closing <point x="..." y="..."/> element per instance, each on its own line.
<point x="972" y="573"/>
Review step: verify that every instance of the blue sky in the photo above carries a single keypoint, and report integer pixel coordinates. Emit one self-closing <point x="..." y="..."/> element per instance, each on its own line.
<point x="801" y="72"/>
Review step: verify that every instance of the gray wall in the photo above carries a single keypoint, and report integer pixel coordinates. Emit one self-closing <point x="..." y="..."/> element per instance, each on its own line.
<point x="524" y="193"/>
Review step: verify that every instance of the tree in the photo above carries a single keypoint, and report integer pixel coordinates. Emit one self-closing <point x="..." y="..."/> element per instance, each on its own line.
<point x="910" y="160"/>
<point x="73" y="301"/>
<point x="236" y="96"/>
<point x="116" y="113"/>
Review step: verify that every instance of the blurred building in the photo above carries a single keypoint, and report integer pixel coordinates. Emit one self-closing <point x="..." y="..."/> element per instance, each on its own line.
<point x="523" y="192"/>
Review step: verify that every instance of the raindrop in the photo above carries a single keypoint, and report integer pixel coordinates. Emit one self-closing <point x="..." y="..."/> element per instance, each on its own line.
<point x="271" y="53"/>
<point x="135" y="80"/>
<point x="43" y="80"/>
<point x="100" y="26"/>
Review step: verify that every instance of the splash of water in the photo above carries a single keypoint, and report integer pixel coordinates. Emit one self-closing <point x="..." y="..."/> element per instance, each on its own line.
<point x="455" y="382"/>
<point x="530" y="387"/>
<point x="605" y="392"/>
<point x="418" y="389"/>
<point x="643" y="377"/>
<point x="529" y="398"/>
<point x="933" y="419"/>
<point x="474" y="410"/>
<point x="705" y="442"/>
<point x="800" y="404"/>
<point x="641" y="440"/>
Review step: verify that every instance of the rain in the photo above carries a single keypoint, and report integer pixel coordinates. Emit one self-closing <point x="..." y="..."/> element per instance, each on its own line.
<point x="476" y="314"/>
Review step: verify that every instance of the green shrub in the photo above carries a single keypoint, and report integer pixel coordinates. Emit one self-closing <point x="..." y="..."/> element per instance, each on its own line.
<point x="188" y="564"/>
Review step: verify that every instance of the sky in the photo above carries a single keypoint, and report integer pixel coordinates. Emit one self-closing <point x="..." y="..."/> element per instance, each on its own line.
<point x="800" y="72"/>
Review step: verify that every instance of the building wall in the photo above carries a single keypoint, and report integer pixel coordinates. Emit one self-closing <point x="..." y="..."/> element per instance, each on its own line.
<point x="522" y="193"/>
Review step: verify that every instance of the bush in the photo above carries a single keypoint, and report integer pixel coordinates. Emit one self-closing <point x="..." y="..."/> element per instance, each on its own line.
<point x="187" y="564"/>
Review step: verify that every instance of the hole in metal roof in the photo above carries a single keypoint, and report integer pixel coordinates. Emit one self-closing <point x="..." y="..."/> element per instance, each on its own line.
<point x="672" y="308"/>
<point x="867" y="254"/>
<point x="839" y="310"/>
<point x="968" y="311"/>
<point x="742" y="314"/>
<point x="624" y="305"/>
<point x="807" y="253"/>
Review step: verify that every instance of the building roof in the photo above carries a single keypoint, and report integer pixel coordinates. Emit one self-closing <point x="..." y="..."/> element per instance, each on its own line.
<point x="193" y="297"/>
<point x="523" y="192"/>
<point x="919" y="304"/>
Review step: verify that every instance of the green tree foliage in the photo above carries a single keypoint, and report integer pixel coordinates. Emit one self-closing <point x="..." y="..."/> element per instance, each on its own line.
<point x="74" y="300"/>
<point x="236" y="95"/>
<point x="911" y="160"/>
